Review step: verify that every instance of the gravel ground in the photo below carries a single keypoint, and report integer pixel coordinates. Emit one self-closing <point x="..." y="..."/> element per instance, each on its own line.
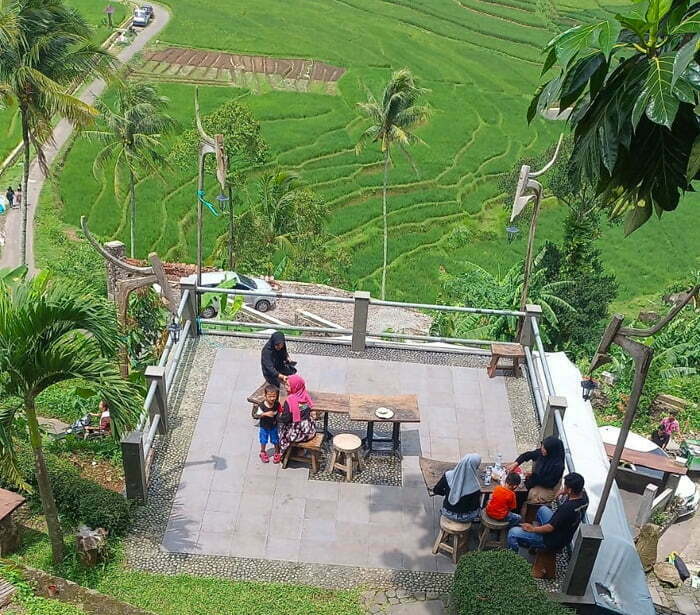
<point x="143" y="548"/>
<point x="379" y="318"/>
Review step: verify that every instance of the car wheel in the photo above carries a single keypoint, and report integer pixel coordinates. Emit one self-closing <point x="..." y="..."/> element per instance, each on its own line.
<point x="263" y="305"/>
<point x="209" y="312"/>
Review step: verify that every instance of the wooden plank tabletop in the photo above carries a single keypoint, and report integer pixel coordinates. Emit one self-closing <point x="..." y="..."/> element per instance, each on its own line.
<point x="9" y="502"/>
<point x="405" y="407"/>
<point x="648" y="460"/>
<point x="432" y="471"/>
<point x="336" y="403"/>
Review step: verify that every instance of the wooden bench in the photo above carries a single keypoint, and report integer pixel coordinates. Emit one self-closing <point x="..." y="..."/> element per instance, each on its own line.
<point x="297" y="452"/>
<point x="513" y="352"/>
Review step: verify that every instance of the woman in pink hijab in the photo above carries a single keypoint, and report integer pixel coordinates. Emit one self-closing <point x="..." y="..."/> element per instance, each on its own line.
<point x="295" y="423"/>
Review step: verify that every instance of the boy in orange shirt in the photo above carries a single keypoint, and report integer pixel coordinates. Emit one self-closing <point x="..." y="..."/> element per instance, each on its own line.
<point x="503" y="501"/>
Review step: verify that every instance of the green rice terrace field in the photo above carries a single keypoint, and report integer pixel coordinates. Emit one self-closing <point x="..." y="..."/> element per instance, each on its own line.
<point x="479" y="58"/>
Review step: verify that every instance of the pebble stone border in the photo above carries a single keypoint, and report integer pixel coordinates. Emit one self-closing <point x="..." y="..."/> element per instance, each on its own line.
<point x="378" y="602"/>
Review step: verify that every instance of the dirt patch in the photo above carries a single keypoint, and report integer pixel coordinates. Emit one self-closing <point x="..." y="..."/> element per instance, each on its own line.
<point x="380" y="318"/>
<point x="284" y="67"/>
<point x="100" y="471"/>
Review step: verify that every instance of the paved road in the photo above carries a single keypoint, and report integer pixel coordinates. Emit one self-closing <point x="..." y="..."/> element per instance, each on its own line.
<point x="10" y="256"/>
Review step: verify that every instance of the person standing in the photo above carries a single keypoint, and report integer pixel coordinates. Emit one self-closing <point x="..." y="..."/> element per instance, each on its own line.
<point x="10" y="197"/>
<point x="18" y="196"/>
<point x="274" y="360"/>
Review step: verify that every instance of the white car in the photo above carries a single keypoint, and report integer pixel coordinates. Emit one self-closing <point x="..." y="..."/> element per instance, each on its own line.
<point x="686" y="491"/>
<point x="212" y="279"/>
<point x="142" y="17"/>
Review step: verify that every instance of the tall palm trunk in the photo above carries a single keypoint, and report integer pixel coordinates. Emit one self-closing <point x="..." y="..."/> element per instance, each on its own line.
<point x="25" y="187"/>
<point x="386" y="233"/>
<point x="132" y="198"/>
<point x="48" y="502"/>
<point x="230" y="228"/>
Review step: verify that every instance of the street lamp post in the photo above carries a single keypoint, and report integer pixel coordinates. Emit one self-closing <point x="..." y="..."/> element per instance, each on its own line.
<point x="527" y="190"/>
<point x="642" y="355"/>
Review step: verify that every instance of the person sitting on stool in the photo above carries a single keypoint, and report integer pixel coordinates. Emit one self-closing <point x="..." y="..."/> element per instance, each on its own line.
<point x="555" y="529"/>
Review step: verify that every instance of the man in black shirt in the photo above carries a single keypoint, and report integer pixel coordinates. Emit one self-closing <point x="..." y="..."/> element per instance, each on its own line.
<point x="555" y="529"/>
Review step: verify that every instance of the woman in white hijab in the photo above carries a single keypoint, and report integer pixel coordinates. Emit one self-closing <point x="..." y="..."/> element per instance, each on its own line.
<point x="462" y="490"/>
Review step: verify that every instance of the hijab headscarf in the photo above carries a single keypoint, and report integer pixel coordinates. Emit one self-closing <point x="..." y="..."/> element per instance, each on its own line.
<point x="464" y="479"/>
<point x="297" y="396"/>
<point x="549" y="468"/>
<point x="278" y="338"/>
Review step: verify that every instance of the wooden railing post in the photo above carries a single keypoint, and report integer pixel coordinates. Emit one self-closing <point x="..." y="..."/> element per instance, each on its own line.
<point x="526" y="336"/>
<point x="156" y="373"/>
<point x="583" y="555"/>
<point x="359" y="320"/>
<point x="549" y="428"/>
<point x="134" y="466"/>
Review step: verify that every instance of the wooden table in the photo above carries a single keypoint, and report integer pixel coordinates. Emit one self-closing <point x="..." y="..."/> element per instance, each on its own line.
<point x="9" y="535"/>
<point x="405" y="407"/>
<point x="432" y="471"/>
<point x="328" y="403"/>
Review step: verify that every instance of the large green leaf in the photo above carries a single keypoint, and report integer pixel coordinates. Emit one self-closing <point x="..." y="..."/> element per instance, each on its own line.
<point x="690" y="25"/>
<point x="573" y="41"/>
<point x="609" y="31"/>
<point x="657" y="9"/>
<point x="634" y="22"/>
<point x="636" y="217"/>
<point x="692" y="74"/>
<point x="683" y="57"/>
<point x="693" y="161"/>
<point x="663" y="105"/>
<point x="577" y="78"/>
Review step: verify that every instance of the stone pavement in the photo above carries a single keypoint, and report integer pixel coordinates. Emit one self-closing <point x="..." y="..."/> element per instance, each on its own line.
<point x="230" y="504"/>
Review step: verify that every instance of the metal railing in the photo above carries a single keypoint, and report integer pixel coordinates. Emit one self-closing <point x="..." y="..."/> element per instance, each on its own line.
<point x="138" y="444"/>
<point x="358" y="337"/>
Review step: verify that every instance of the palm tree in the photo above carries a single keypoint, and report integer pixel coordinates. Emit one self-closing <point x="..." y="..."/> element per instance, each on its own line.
<point x="393" y="119"/>
<point x="131" y="132"/>
<point x="274" y="207"/>
<point x="52" y="332"/>
<point x="50" y="52"/>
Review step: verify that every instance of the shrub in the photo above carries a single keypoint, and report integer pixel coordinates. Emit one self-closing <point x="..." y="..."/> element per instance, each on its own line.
<point x="78" y="500"/>
<point x="499" y="583"/>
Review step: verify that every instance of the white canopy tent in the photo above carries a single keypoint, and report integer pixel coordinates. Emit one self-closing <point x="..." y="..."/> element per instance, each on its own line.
<point x="618" y="577"/>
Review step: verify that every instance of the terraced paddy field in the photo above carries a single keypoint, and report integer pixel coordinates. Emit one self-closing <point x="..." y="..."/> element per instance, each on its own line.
<point x="480" y="60"/>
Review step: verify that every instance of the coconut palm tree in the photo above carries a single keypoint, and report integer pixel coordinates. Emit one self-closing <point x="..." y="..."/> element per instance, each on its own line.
<point x="49" y="54"/>
<point x="393" y="118"/>
<point x="51" y="332"/>
<point x="274" y="206"/>
<point x="131" y="131"/>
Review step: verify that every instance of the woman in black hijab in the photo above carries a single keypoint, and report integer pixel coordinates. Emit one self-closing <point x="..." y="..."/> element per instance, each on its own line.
<point x="544" y="481"/>
<point x="274" y="359"/>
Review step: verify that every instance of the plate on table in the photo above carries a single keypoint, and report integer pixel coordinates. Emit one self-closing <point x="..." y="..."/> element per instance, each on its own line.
<point x="384" y="413"/>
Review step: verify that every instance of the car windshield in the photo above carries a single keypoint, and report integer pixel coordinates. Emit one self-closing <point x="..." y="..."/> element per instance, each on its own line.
<point x="247" y="281"/>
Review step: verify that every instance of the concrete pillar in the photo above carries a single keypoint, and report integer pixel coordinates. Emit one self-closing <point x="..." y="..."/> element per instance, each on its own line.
<point x="134" y="466"/>
<point x="190" y="311"/>
<point x="644" y="512"/>
<point x="549" y="428"/>
<point x="359" y="320"/>
<point x="156" y="373"/>
<point x="583" y="555"/>
<point x="114" y="273"/>
<point x="526" y="336"/>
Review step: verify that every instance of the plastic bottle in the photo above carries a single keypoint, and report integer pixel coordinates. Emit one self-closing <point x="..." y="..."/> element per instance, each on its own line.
<point x="487" y="476"/>
<point x="499" y="461"/>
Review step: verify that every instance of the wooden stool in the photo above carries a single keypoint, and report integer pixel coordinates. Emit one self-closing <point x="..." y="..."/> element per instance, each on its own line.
<point x="487" y="526"/>
<point x="514" y="352"/>
<point x="545" y="565"/>
<point x="297" y="452"/>
<point x="451" y="537"/>
<point x="346" y="453"/>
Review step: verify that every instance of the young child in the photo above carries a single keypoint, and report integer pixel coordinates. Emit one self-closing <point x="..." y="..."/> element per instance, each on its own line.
<point x="503" y="501"/>
<point x="268" y="424"/>
<point x="670" y="424"/>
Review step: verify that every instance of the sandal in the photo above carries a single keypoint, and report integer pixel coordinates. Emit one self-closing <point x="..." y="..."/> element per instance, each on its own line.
<point x="264" y="457"/>
<point x="277" y="458"/>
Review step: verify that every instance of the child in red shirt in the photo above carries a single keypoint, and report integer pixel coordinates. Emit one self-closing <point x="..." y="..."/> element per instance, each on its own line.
<point x="503" y="501"/>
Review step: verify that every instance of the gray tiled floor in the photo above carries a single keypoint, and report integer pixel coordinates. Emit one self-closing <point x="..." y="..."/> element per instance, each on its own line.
<point x="229" y="503"/>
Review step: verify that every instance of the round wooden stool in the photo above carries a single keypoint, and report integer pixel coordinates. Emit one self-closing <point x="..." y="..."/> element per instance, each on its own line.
<point x="451" y="537"/>
<point x="346" y="453"/>
<point x="487" y="526"/>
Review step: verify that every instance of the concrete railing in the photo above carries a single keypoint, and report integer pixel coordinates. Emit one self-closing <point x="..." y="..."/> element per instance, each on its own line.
<point x="137" y="445"/>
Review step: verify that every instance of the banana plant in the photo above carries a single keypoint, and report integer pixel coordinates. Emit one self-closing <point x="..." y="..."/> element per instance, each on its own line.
<point x="630" y="88"/>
